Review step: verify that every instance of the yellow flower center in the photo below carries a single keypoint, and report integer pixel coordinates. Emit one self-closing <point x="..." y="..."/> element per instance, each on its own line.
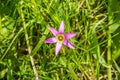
<point x="60" y="37"/>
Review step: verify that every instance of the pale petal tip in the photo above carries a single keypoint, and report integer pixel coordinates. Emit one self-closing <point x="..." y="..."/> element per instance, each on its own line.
<point x="61" y="29"/>
<point x="62" y="21"/>
<point x="75" y="33"/>
<point x="50" y="40"/>
<point x="58" y="47"/>
<point x="46" y="41"/>
<point x="72" y="46"/>
<point x="49" y="28"/>
<point x="56" y="54"/>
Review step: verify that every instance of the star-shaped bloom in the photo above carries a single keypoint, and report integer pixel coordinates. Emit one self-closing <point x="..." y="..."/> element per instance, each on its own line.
<point x="60" y="38"/>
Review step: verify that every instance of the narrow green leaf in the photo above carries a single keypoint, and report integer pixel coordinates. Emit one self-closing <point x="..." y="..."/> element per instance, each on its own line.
<point x="39" y="44"/>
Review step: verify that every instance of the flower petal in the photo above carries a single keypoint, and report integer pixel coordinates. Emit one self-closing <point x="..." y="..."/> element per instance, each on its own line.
<point x="61" y="29"/>
<point x="67" y="43"/>
<point x="58" y="47"/>
<point x="70" y="35"/>
<point x="54" y="31"/>
<point x="50" y="40"/>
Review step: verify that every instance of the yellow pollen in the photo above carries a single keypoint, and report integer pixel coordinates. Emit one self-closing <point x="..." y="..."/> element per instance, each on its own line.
<point x="60" y="37"/>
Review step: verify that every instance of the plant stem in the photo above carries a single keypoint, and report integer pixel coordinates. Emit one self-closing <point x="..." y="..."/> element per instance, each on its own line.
<point x="28" y="45"/>
<point x="109" y="56"/>
<point x="109" y="42"/>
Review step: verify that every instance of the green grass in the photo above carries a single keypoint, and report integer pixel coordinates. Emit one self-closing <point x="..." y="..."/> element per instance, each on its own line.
<point x="24" y="27"/>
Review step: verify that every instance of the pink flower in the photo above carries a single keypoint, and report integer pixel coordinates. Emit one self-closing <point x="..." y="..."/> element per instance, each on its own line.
<point x="60" y="38"/>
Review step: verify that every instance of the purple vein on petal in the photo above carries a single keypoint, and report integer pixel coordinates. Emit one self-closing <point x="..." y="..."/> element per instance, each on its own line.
<point x="58" y="47"/>
<point x="50" y="40"/>
<point x="54" y="31"/>
<point x="70" y="35"/>
<point x="61" y="29"/>
<point x="67" y="43"/>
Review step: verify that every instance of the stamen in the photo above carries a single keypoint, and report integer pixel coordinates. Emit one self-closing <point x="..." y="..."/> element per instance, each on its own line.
<point x="60" y="37"/>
